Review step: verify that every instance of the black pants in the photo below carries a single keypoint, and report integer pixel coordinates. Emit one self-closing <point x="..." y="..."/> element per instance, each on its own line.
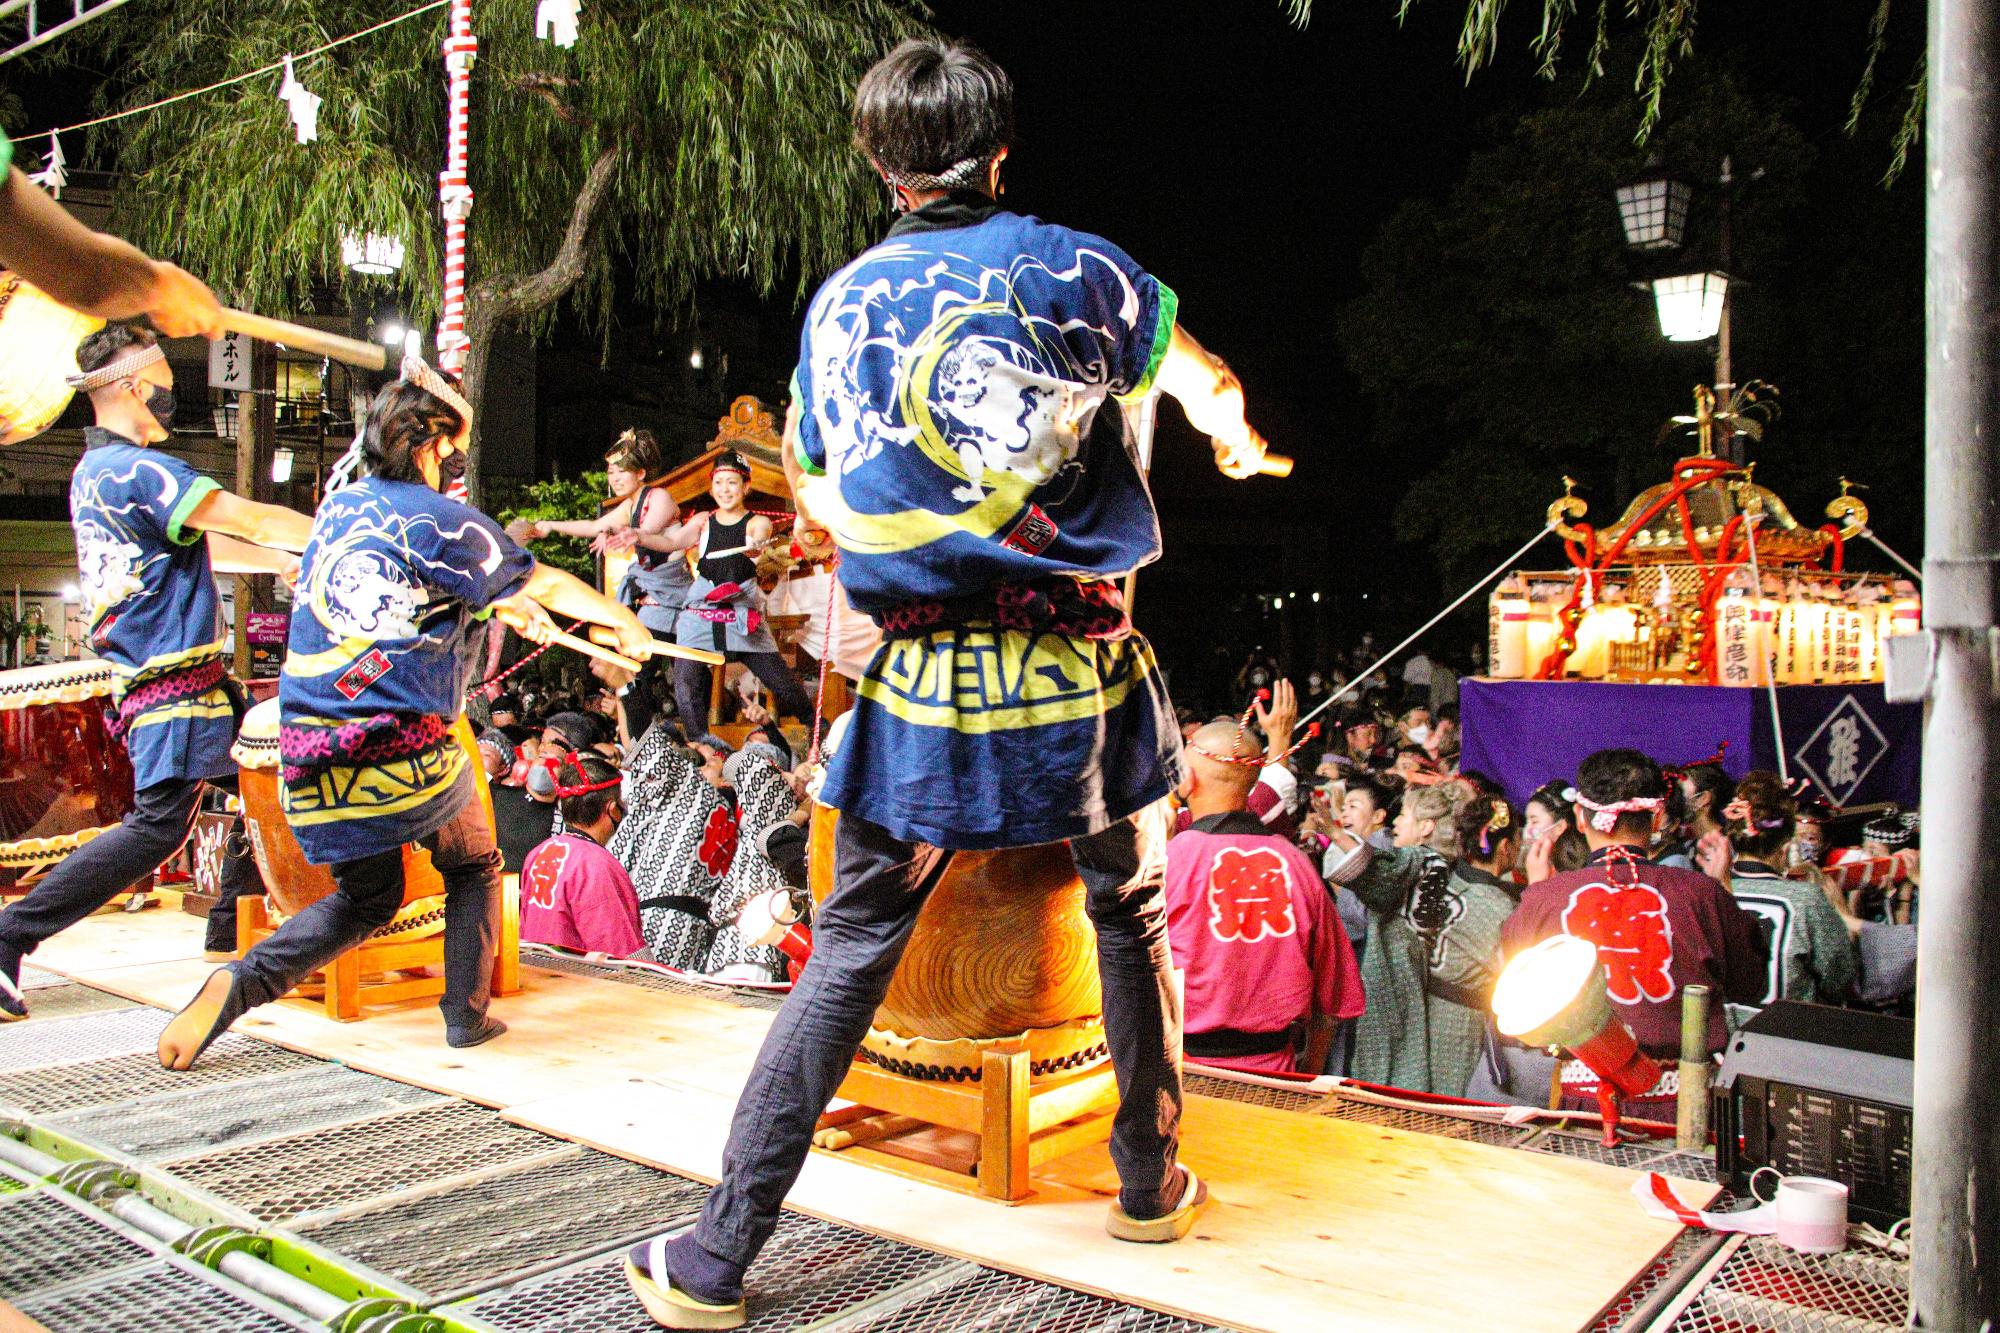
<point x="367" y="894"/>
<point x="692" y="681"/>
<point x="161" y="818"/>
<point x="859" y="934"/>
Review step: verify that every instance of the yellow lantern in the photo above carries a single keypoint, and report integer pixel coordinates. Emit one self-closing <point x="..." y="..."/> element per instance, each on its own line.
<point x="38" y="339"/>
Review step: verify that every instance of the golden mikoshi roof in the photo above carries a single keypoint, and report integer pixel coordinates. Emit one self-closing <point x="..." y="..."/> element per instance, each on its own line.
<point x="1715" y="495"/>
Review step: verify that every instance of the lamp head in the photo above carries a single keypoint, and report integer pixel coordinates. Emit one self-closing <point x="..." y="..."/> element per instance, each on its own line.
<point x="1553" y="995"/>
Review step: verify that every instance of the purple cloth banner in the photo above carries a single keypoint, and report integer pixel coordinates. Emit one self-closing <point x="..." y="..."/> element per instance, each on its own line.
<point x="1846" y="740"/>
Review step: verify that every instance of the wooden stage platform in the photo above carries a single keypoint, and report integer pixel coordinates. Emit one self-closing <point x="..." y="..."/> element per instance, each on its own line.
<point x="1319" y="1223"/>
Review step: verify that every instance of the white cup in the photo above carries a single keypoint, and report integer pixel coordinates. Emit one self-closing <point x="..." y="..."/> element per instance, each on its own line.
<point x="1812" y="1213"/>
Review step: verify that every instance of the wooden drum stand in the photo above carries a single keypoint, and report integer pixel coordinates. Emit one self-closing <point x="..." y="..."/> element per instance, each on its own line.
<point x="987" y="1057"/>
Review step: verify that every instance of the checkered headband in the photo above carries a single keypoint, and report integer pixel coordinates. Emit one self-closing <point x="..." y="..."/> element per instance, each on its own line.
<point x="129" y="363"/>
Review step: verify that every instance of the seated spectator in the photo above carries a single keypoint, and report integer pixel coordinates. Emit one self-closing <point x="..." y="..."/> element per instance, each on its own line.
<point x="1705" y="791"/>
<point x="1657" y="929"/>
<point x="677" y="841"/>
<point x="1267" y="963"/>
<point x="524" y="816"/>
<point x="763" y="798"/>
<point x="574" y="894"/>
<point x="1406" y="891"/>
<point x="1811" y="953"/>
<point x="713" y="752"/>
<point x="1465" y="958"/>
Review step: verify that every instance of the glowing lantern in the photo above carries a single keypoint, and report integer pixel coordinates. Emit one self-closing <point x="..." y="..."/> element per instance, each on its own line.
<point x="1690" y="305"/>
<point x="38" y="339"/>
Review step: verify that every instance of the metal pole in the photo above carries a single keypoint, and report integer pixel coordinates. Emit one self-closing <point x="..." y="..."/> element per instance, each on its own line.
<point x="1724" y="372"/>
<point x="1955" y="1274"/>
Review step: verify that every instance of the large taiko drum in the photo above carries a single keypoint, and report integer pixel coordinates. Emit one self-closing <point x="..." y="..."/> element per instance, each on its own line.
<point x="1002" y="956"/>
<point x="294" y="883"/>
<point x="63" y="779"/>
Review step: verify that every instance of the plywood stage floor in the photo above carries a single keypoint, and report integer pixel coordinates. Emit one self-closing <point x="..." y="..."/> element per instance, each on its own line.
<point x="1318" y="1223"/>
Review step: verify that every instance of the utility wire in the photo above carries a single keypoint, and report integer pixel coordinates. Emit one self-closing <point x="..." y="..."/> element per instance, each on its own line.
<point x="296" y="58"/>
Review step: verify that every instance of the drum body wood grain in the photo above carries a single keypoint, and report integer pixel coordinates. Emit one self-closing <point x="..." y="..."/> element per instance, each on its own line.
<point x="294" y="883"/>
<point x="1002" y="957"/>
<point x="63" y="779"/>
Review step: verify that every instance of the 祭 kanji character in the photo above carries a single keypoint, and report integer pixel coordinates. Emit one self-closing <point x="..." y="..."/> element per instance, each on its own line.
<point x="1250" y="896"/>
<point x="544" y="872"/>
<point x="1635" y="942"/>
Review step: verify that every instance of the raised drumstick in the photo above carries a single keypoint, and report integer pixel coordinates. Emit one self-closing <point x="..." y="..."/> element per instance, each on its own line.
<point x="661" y="648"/>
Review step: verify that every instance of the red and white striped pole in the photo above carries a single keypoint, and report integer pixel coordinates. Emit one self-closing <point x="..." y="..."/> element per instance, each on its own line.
<point x="454" y="190"/>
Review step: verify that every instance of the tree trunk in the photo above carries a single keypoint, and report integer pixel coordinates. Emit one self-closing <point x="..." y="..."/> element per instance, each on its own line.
<point x="493" y="302"/>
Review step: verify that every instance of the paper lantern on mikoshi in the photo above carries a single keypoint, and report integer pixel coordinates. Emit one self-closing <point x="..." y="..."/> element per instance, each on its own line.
<point x="38" y="339"/>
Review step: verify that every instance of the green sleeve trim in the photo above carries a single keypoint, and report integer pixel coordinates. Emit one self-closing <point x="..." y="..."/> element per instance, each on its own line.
<point x="199" y="490"/>
<point x="6" y="152"/>
<point x="1163" y="337"/>
<point x="806" y="465"/>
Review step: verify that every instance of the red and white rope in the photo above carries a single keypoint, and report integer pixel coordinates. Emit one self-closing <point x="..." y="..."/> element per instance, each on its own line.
<point x="454" y="186"/>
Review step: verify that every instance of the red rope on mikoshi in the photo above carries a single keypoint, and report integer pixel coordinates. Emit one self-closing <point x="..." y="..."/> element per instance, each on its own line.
<point x="454" y="186"/>
<point x="490" y="687"/>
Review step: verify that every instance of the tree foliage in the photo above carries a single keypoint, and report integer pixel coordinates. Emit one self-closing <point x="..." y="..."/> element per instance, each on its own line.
<point x="1665" y="32"/>
<point x="564" y="498"/>
<point x="677" y="140"/>
<point x="1503" y="347"/>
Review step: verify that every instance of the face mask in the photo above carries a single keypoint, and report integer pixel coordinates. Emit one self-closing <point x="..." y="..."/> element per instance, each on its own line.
<point x="1419" y="734"/>
<point x="1315" y="680"/>
<point x="1259" y="678"/>
<point x="160" y="402"/>
<point x="541" y="782"/>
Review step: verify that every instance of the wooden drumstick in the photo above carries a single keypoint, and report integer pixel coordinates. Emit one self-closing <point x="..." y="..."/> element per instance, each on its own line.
<point x="1275" y="465"/>
<point x="368" y="356"/>
<point x="588" y="648"/>
<point x="661" y="648"/>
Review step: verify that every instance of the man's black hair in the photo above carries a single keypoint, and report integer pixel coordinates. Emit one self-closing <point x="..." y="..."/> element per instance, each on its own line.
<point x="97" y="351"/>
<point x="1610" y="776"/>
<point x="928" y="105"/>
<point x="585" y="810"/>
<point x="1711" y="779"/>
<point x="403" y="419"/>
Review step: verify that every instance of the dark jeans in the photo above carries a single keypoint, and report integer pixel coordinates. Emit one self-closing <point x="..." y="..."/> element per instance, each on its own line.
<point x="692" y="682"/>
<point x="368" y="892"/>
<point x="162" y="816"/>
<point x="859" y="935"/>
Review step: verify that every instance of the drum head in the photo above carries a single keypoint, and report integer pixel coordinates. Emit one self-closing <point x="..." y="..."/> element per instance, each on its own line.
<point x="55" y="683"/>
<point x="38" y="341"/>
<point x="257" y="739"/>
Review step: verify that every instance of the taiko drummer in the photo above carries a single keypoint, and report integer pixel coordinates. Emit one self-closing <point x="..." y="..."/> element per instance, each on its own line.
<point x="151" y="534"/>
<point x="394" y="582"/>
<point x="958" y="427"/>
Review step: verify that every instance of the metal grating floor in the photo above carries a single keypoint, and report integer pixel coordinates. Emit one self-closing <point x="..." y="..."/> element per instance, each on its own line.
<point x="34" y="978"/>
<point x="67" y="1001"/>
<point x="280" y="1179"/>
<point x="633" y="976"/>
<point x="811" y="1270"/>
<point x="1764" y="1286"/>
<point x="1422" y="1122"/>
<point x="68" y="1041"/>
<point x="184" y="1121"/>
<point x="1256" y="1094"/>
<point x="166" y="1297"/>
<point x="1632" y="1156"/>
<point x="56" y="1089"/>
<point x="45" y="1241"/>
<point x="994" y="1302"/>
<point x="467" y="1239"/>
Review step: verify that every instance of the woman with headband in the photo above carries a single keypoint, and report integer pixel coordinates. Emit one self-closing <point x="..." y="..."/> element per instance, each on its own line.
<point x="393" y="582"/>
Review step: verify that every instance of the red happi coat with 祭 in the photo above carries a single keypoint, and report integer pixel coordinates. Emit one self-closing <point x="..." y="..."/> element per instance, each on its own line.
<point x="1657" y="930"/>
<point x="1256" y="934"/>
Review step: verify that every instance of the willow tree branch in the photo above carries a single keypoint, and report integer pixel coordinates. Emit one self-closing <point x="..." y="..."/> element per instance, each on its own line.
<point x="510" y="296"/>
